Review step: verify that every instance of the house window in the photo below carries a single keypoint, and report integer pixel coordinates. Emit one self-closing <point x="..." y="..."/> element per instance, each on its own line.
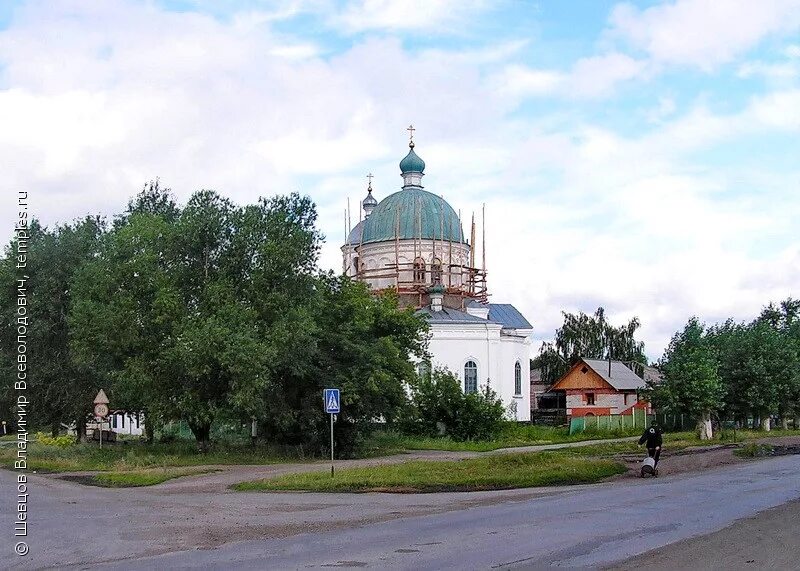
<point x="114" y="421"/>
<point x="436" y="271"/>
<point x="584" y="370"/>
<point x="626" y="399"/>
<point x="419" y="271"/>
<point x="590" y="399"/>
<point x="517" y="379"/>
<point x="470" y="377"/>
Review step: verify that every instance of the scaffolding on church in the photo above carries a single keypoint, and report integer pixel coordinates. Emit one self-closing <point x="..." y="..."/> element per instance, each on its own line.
<point x="413" y="280"/>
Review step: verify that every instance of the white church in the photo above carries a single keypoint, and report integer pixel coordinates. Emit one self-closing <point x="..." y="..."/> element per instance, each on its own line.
<point x="412" y="242"/>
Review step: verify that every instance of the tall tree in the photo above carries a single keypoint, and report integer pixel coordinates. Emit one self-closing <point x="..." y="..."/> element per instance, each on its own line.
<point x="61" y="389"/>
<point x="126" y="313"/>
<point x="760" y="364"/>
<point x="196" y="302"/>
<point x="691" y="383"/>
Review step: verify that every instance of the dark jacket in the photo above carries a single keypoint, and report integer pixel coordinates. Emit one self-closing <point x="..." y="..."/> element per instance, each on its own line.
<point x="652" y="436"/>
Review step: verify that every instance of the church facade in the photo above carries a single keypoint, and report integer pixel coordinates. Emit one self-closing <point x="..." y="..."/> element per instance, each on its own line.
<point x="413" y="242"/>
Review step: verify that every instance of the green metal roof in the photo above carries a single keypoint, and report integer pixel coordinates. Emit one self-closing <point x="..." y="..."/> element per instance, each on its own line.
<point x="412" y="162"/>
<point x="413" y="205"/>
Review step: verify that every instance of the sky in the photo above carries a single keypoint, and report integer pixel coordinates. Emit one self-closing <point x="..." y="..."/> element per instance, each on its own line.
<point x="642" y="156"/>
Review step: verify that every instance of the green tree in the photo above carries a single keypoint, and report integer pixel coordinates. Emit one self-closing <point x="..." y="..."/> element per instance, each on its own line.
<point x="61" y="390"/>
<point x="347" y="338"/>
<point x="759" y="364"/>
<point x="437" y="402"/>
<point x="127" y="313"/>
<point x="691" y="383"/>
<point x="176" y="333"/>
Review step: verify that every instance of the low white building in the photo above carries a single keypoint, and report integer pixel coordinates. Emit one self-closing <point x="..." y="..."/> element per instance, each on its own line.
<point x="412" y="242"/>
<point x="122" y="422"/>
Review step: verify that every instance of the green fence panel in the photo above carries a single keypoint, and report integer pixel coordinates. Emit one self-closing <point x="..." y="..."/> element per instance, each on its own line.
<point x="611" y="422"/>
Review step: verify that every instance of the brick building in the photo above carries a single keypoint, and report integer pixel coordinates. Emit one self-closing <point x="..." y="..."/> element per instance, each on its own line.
<point x="596" y="387"/>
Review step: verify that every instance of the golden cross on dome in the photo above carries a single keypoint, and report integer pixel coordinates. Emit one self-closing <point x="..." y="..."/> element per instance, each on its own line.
<point x="411" y="130"/>
<point x="369" y="176"/>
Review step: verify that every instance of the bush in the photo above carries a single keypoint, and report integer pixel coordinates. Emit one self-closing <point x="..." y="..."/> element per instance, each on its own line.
<point x="753" y="450"/>
<point x="63" y="441"/>
<point x="437" y="402"/>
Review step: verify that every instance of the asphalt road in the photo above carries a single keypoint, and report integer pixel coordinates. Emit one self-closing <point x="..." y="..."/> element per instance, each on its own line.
<point x="584" y="526"/>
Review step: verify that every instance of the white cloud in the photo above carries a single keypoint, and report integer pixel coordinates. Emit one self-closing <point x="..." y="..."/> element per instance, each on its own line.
<point x="97" y="99"/>
<point x="768" y="70"/>
<point x="666" y="107"/>
<point x="519" y="80"/>
<point x="409" y="15"/>
<point x="597" y="76"/>
<point x="702" y="33"/>
<point x="590" y="77"/>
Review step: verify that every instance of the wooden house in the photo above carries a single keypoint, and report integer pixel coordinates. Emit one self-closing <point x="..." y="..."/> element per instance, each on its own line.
<point x="597" y="387"/>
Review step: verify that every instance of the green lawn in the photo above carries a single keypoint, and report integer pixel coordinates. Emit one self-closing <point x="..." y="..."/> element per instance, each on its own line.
<point x="533" y="435"/>
<point x="486" y="473"/>
<point x="512" y="435"/>
<point x="143" y="477"/>
<point x="138" y="455"/>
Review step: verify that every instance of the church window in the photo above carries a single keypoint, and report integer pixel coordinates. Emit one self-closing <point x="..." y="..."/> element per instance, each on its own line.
<point x="470" y="377"/>
<point x="355" y="264"/>
<point x="436" y="271"/>
<point x="419" y="271"/>
<point x="517" y="379"/>
<point x="423" y="369"/>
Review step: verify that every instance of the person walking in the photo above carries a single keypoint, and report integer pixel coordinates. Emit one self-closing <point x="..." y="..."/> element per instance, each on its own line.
<point x="652" y="439"/>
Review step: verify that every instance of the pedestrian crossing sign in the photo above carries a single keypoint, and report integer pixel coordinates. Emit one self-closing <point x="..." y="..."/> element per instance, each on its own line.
<point x="332" y="401"/>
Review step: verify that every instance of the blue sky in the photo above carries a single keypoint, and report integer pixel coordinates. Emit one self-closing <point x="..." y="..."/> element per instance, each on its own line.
<point x="640" y="155"/>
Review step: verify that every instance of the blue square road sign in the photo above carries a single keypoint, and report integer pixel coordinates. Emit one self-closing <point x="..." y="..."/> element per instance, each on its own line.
<point x="332" y="401"/>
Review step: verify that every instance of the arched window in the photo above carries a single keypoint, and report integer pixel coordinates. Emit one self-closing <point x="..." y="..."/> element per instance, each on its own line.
<point x="517" y="379"/>
<point x="423" y="369"/>
<point x="419" y="271"/>
<point x="355" y="264"/>
<point x="470" y="377"/>
<point x="436" y="271"/>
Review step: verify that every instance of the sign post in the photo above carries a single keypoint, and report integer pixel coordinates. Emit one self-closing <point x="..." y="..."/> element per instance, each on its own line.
<point x="332" y="407"/>
<point x="101" y="411"/>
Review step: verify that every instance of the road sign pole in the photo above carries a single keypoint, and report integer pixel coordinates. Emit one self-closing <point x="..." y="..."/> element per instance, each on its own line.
<point x="332" y="406"/>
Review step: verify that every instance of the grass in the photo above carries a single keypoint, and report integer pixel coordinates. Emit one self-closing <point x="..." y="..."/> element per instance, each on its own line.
<point x="143" y="477"/>
<point x="499" y="472"/>
<point x="750" y="434"/>
<point x="754" y="450"/>
<point x="511" y="436"/>
<point x="138" y="455"/>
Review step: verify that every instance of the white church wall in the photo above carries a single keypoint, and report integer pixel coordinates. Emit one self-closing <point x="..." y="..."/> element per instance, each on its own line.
<point x="452" y="346"/>
<point x="516" y="350"/>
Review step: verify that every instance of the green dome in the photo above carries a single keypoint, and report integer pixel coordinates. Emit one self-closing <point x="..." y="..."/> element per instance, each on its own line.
<point x="412" y="162"/>
<point x="413" y="205"/>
